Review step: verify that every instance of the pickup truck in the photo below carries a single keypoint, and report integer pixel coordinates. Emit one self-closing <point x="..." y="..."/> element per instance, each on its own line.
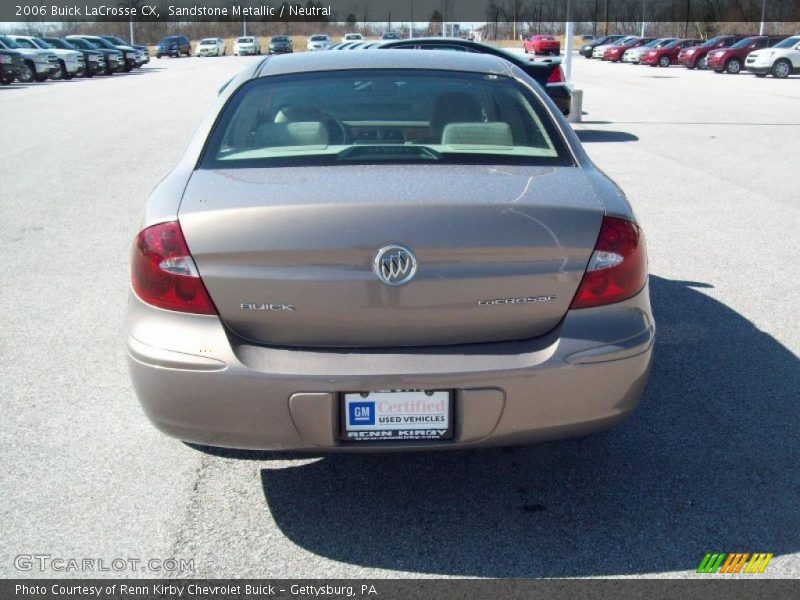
<point x="40" y="64"/>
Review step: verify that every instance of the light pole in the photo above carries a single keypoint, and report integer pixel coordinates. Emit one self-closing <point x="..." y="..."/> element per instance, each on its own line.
<point x="130" y="21"/>
<point x="643" y="24"/>
<point x="568" y="44"/>
<point x="763" y="10"/>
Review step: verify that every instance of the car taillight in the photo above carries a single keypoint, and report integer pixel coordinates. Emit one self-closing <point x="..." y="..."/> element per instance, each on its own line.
<point x="556" y="76"/>
<point x="163" y="272"/>
<point x="617" y="269"/>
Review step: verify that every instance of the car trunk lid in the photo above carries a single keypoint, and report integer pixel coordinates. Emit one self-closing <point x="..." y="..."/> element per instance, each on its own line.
<point x="288" y="254"/>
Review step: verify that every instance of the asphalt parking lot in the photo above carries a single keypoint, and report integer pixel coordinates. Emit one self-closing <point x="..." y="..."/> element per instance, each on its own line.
<point x="707" y="463"/>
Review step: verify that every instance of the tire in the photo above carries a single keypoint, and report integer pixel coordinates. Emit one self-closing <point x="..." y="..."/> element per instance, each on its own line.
<point x="27" y="73"/>
<point x="7" y="79"/>
<point x="702" y="63"/>
<point x="664" y="61"/>
<point x="64" y="74"/>
<point x="781" y="69"/>
<point x="733" y="66"/>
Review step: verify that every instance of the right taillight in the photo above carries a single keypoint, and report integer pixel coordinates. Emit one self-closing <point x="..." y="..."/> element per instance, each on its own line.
<point x="556" y="75"/>
<point x="163" y="272"/>
<point x="617" y="269"/>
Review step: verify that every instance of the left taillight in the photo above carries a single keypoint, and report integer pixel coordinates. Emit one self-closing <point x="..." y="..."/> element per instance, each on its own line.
<point x="556" y="75"/>
<point x="163" y="272"/>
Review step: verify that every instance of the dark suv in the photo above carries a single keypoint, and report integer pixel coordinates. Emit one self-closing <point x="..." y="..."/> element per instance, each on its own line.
<point x="587" y="49"/>
<point x="731" y="60"/>
<point x="174" y="45"/>
<point x="697" y="56"/>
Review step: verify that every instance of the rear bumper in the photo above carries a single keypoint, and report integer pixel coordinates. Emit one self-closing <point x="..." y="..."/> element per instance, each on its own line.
<point x="561" y="95"/>
<point x="198" y="383"/>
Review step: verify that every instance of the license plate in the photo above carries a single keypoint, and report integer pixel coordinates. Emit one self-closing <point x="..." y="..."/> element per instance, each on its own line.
<point x="397" y="415"/>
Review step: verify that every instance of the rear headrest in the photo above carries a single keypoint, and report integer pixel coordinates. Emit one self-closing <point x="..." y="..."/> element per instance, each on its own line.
<point x="308" y="133"/>
<point x="478" y="134"/>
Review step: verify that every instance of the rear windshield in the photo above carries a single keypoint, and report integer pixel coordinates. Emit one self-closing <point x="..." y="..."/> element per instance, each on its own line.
<point x="245" y="40"/>
<point x="318" y="38"/>
<point x="169" y="40"/>
<point x="208" y="41"/>
<point x="280" y="38"/>
<point x="397" y="116"/>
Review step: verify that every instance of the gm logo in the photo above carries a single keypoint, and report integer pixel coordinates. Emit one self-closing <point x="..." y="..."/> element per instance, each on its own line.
<point x="361" y="413"/>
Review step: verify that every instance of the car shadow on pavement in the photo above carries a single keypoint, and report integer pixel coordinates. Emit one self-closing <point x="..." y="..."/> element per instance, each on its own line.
<point x="588" y="136"/>
<point x="708" y="462"/>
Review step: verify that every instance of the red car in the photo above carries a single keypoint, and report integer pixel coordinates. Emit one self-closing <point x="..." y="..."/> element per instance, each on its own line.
<point x="731" y="59"/>
<point x="664" y="57"/>
<point x="696" y="57"/>
<point x="614" y="53"/>
<point x="542" y="44"/>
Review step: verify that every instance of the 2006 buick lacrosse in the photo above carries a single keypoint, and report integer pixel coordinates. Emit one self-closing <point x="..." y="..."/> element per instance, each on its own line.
<point x="387" y="250"/>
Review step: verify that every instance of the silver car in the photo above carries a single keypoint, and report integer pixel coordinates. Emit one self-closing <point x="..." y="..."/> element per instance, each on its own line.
<point x="368" y="251"/>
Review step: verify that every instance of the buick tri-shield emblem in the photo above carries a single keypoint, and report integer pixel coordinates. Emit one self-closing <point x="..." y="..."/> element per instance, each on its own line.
<point x="395" y="264"/>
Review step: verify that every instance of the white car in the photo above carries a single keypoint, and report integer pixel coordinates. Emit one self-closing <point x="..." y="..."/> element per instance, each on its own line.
<point x="71" y="62"/>
<point x="318" y="42"/>
<point x="634" y="55"/>
<point x="210" y="47"/>
<point x="352" y="37"/>
<point x="782" y="59"/>
<point x="599" y="50"/>
<point x="246" y="45"/>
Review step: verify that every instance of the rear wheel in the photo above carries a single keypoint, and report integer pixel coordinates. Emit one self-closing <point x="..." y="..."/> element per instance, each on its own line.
<point x="781" y="69"/>
<point x="733" y="66"/>
<point x="63" y="68"/>
<point x="664" y="61"/>
<point x="7" y="79"/>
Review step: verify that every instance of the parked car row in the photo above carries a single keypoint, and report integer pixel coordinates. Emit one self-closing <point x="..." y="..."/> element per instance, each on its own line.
<point x="760" y="54"/>
<point x="27" y="58"/>
<point x="546" y="72"/>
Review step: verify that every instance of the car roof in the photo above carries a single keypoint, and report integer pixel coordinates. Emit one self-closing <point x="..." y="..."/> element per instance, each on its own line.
<point x="430" y="59"/>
